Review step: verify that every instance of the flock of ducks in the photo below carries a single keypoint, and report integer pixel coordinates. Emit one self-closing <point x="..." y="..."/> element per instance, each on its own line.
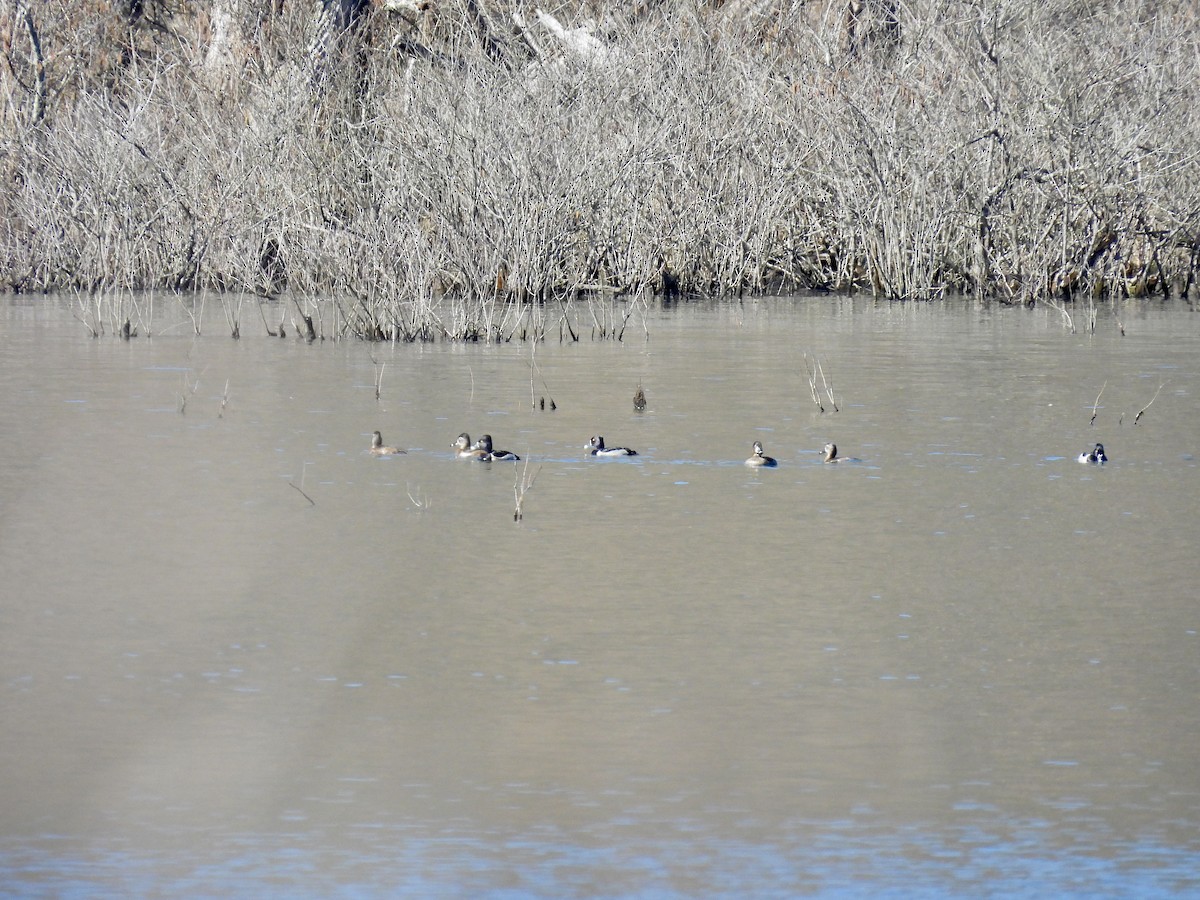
<point x="483" y="450"/>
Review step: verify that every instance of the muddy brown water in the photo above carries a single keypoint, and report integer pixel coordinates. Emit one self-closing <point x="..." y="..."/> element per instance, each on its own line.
<point x="962" y="665"/>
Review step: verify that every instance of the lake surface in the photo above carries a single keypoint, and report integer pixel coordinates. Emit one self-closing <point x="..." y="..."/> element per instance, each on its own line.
<point x="240" y="656"/>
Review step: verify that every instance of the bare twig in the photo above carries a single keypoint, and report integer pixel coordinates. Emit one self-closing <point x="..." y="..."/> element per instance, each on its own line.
<point x="1096" y="405"/>
<point x="379" y="367"/>
<point x="224" y="401"/>
<point x="1068" y="322"/>
<point x="535" y="402"/>
<point x="522" y="486"/>
<point x="263" y="314"/>
<point x="188" y="390"/>
<point x="828" y="387"/>
<point x="1152" y="399"/>
<point x="812" y="384"/>
<point x="815" y="371"/>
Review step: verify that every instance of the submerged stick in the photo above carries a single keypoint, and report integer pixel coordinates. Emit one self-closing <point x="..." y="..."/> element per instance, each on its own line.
<point x="303" y="472"/>
<point x="302" y="494"/>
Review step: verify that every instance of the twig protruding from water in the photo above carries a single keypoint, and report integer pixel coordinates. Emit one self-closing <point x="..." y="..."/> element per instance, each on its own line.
<point x="1152" y="399"/>
<point x="1096" y="405"/>
<point x="817" y="371"/>
<point x="379" y="367"/>
<point x="522" y="486"/>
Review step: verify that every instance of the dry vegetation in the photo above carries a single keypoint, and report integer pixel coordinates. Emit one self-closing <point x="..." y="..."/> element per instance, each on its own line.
<point x="480" y="169"/>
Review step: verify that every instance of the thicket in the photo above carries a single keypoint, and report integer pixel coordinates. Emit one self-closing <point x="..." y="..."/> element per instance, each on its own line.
<point x="484" y="168"/>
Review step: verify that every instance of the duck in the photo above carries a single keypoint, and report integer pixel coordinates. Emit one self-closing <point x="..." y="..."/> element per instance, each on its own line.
<point x="378" y="448"/>
<point x="639" y="398"/>
<point x="1095" y="455"/>
<point x="464" y="449"/>
<point x="831" y="455"/>
<point x="485" y="444"/>
<point x="758" y="459"/>
<point x="596" y="448"/>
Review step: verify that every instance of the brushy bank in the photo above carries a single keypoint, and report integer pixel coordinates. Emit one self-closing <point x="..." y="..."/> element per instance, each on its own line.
<point x="484" y="168"/>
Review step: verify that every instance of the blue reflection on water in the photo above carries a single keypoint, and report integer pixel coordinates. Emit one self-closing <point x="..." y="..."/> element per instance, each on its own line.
<point x="387" y="862"/>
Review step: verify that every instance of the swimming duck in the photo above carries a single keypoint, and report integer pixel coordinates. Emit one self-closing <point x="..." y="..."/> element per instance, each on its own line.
<point x="464" y="449"/>
<point x="758" y="459"/>
<point x="1095" y="455"/>
<point x="378" y="448"/>
<point x="831" y="455"/>
<point x="597" y="448"/>
<point x="485" y="444"/>
<point x="639" y="398"/>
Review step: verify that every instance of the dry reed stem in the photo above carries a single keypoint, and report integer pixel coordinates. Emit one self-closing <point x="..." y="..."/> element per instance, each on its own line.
<point x="812" y="384"/>
<point x="1138" y="417"/>
<point x="1068" y="322"/>
<point x="378" y="376"/>
<point x="521" y="486"/>
<point x="534" y="401"/>
<point x="1096" y="405"/>
<point x="828" y="387"/>
<point x="188" y="389"/>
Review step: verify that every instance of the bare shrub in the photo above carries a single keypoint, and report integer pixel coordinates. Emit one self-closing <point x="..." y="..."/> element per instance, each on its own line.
<point x="476" y="171"/>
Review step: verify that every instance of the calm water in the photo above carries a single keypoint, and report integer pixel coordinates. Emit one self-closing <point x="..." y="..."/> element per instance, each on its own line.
<point x="964" y="666"/>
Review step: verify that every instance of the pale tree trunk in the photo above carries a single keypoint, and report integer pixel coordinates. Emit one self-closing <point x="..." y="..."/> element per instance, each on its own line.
<point x="224" y="40"/>
<point x="23" y="80"/>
